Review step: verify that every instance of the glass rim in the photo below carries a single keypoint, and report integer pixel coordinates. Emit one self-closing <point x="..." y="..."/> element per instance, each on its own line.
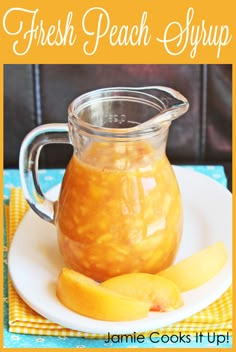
<point x="139" y="96"/>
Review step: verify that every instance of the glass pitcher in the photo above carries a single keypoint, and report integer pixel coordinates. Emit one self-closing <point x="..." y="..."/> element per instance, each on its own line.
<point x="119" y="208"/>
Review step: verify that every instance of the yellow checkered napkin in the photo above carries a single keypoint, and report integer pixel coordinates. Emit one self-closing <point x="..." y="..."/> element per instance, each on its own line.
<point x="22" y="319"/>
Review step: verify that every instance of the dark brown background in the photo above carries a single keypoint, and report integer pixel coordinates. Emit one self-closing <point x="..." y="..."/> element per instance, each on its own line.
<point x="37" y="94"/>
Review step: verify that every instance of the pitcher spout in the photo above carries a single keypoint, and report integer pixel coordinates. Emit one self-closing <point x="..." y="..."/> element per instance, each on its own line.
<point x="168" y="103"/>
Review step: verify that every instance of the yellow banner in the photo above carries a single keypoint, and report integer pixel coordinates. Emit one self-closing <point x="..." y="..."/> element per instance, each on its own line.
<point x="117" y="31"/>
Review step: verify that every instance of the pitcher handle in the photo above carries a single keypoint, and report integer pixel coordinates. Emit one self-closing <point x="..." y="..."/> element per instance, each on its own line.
<point x="28" y="166"/>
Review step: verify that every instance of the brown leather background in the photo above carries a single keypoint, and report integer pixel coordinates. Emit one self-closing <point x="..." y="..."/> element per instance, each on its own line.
<point x="37" y="94"/>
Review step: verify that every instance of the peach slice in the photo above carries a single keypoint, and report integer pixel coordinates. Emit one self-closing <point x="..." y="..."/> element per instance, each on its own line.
<point x="87" y="297"/>
<point x="161" y="293"/>
<point x="198" y="268"/>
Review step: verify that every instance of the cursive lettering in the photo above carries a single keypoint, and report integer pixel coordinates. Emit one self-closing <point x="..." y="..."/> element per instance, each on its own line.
<point x="195" y="35"/>
<point x="134" y="35"/>
<point x="54" y="35"/>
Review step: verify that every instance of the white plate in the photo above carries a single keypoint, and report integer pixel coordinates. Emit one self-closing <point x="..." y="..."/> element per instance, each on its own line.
<point x="34" y="260"/>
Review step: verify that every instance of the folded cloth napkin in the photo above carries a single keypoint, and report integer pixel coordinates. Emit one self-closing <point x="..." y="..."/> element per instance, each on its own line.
<point x="22" y="319"/>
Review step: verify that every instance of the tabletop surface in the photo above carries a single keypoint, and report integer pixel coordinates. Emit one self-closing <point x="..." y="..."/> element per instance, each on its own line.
<point x="48" y="179"/>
